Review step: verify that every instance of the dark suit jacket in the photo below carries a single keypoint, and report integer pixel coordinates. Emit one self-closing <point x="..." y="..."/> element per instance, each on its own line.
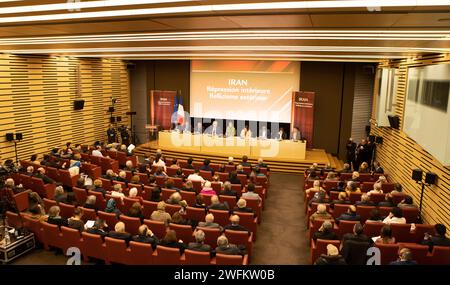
<point x="230" y="249"/>
<point x="243" y="210"/>
<point x="123" y="236"/>
<point x="436" y="241"/>
<point x="178" y="245"/>
<point x="355" y="252"/>
<point x="99" y="189"/>
<point x="90" y="206"/>
<point x="330" y="260"/>
<point x="360" y="203"/>
<point x="93" y="231"/>
<point x="199" y="247"/>
<point x="44" y="178"/>
<point x="406" y="262"/>
<point x="325" y="235"/>
<point x="219" y="206"/>
<point x="348" y="217"/>
<point x="235" y="181"/>
<point x="153" y="240"/>
<point x="359" y="238"/>
<point x="57" y="221"/>
<point x="228" y="193"/>
<point x="190" y="166"/>
<point x="207" y="168"/>
<point x="334" y="202"/>
<point x="235" y="228"/>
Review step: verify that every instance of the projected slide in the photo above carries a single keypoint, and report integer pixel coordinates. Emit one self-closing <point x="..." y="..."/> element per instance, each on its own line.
<point x="243" y="90"/>
<point x="427" y="110"/>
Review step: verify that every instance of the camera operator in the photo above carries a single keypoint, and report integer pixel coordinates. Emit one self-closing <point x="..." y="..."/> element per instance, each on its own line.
<point x="124" y="134"/>
<point x="112" y="134"/>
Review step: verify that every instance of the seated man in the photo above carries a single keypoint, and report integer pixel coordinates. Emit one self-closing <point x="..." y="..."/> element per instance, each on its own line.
<point x="120" y="233"/>
<point x="223" y="247"/>
<point x="199" y="244"/>
<point x="234" y="219"/>
<point x="250" y="194"/>
<point x="216" y="205"/>
<point x="209" y="222"/>
<point x="405" y="258"/>
<point x="146" y="236"/>
<point x="331" y="258"/>
<point x="206" y="167"/>
<point x="296" y="135"/>
<point x="196" y="176"/>
<point x="342" y="199"/>
<point x="357" y="235"/>
<point x="436" y="240"/>
<point x="325" y="232"/>
<point x="227" y="190"/>
<point x="350" y="215"/>
<point x="365" y="201"/>
<point x="41" y="174"/>
<point x="245" y="161"/>
<point x="262" y="164"/>
<point x="231" y="131"/>
<point x="241" y="206"/>
<point x="98" y="228"/>
<point x="321" y="213"/>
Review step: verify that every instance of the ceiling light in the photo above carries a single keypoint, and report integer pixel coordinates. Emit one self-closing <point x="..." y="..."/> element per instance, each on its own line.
<point x="294" y="5"/>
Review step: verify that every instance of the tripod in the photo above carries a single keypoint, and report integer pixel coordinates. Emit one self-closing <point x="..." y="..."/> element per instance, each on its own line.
<point x="133" y="133"/>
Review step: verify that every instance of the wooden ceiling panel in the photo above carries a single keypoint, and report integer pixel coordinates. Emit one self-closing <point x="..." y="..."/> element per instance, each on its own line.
<point x="354" y="20"/>
<point x="269" y="21"/>
<point x="424" y="20"/>
<point x="188" y="23"/>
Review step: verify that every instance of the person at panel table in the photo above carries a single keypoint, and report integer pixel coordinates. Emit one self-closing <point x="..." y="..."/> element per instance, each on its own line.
<point x="264" y="133"/>
<point x="281" y="134"/>
<point x="246" y="133"/>
<point x="230" y="131"/>
<point x="214" y="129"/>
<point x="199" y="128"/>
<point x="296" y="135"/>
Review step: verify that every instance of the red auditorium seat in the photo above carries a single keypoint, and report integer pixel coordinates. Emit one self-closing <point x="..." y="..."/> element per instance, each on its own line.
<point x="141" y="253"/>
<point x="66" y="210"/>
<point x="51" y="236"/>
<point x="366" y="186"/>
<point x="171" y="171"/>
<point x="66" y="179"/>
<point x="411" y="214"/>
<point x="106" y="184"/>
<point x="89" y="214"/>
<point x="401" y="232"/>
<point x="256" y="206"/>
<point x="373" y="229"/>
<point x="44" y="190"/>
<point x="230" y="168"/>
<point x="14" y="220"/>
<point x="197" y="186"/>
<point x="242" y="178"/>
<point x="247" y="169"/>
<point x="187" y="171"/>
<point x="231" y="200"/>
<point x="384" y="211"/>
<point x="223" y="176"/>
<point x="184" y="232"/>
<point x="241" y="238"/>
<point x="167" y="256"/>
<point x="320" y="247"/>
<point x="388" y="187"/>
<point x="345" y="227"/>
<point x="178" y="182"/>
<point x="149" y="207"/>
<point x="48" y="204"/>
<point x="419" y="252"/>
<point x="377" y="198"/>
<point x="346" y="176"/>
<point x="165" y="193"/>
<point x="70" y="238"/>
<point x="117" y="251"/>
<point x="192" y="257"/>
<point x="216" y="186"/>
<point x="143" y="177"/>
<point x="211" y="235"/>
<point x="190" y="197"/>
<point x="364" y="212"/>
<point x="225" y="259"/>
<point x="237" y="188"/>
<point x="34" y="226"/>
<point x="80" y="195"/>
<point x="397" y="198"/>
<point x="333" y="195"/>
<point x="92" y="170"/>
<point x="53" y="173"/>
<point x="207" y="175"/>
<point x="112" y="154"/>
<point x="315" y="226"/>
<point x="249" y="221"/>
<point x="197" y="164"/>
<point x="355" y="197"/>
<point x="21" y="200"/>
<point x="131" y="224"/>
<point x="158" y="228"/>
<point x="440" y="255"/>
<point x="109" y="218"/>
<point x="221" y="217"/>
<point x="339" y="209"/>
<point x="128" y="202"/>
<point x="388" y="252"/>
<point x="206" y="199"/>
<point x="171" y="209"/>
<point x="160" y="180"/>
<point x="328" y="185"/>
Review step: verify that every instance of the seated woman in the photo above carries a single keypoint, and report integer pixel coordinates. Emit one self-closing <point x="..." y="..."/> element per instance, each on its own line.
<point x="60" y="196"/>
<point x="54" y="217"/>
<point x="136" y="211"/>
<point x="407" y="202"/>
<point x="170" y="240"/>
<point x="35" y="202"/>
<point x="386" y="236"/>
<point x="364" y="168"/>
<point x="75" y="222"/>
<point x="174" y="199"/>
<point x="331" y="176"/>
<point x="90" y="203"/>
<point x="178" y="219"/>
<point x="111" y="207"/>
<point x="207" y="190"/>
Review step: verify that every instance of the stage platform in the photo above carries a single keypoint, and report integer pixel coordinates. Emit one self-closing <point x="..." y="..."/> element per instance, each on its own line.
<point x="276" y="165"/>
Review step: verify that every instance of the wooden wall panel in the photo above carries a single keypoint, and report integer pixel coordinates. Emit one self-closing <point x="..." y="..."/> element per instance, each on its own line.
<point x="399" y="154"/>
<point x="37" y="94"/>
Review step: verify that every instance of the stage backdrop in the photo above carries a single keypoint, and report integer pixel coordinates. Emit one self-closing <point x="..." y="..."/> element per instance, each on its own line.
<point x="161" y="108"/>
<point x="302" y="114"/>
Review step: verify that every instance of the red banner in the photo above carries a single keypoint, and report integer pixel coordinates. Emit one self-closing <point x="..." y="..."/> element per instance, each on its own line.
<point x="302" y="114"/>
<point x="161" y="108"/>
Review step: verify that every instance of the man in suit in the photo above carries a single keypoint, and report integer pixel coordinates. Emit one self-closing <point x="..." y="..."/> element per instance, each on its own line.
<point x="241" y="206"/>
<point x="206" y="167"/>
<point x="216" y="205"/>
<point x="214" y="129"/>
<point x="296" y="135"/>
<point x="350" y="215"/>
<point x="146" y="236"/>
<point x="264" y="133"/>
<point x="436" y="240"/>
<point x="281" y="135"/>
<point x="405" y="258"/>
<point x="199" y="128"/>
<point x="351" y="152"/>
<point x="209" y="222"/>
<point x="112" y="135"/>
<point x="235" y="224"/>
<point x="365" y="201"/>
<point x="223" y="247"/>
<point x="325" y="232"/>
<point x="199" y="244"/>
<point x="227" y="189"/>
<point x="377" y="168"/>
<point x="231" y="131"/>
<point x="98" y="228"/>
<point x="41" y="174"/>
<point x="357" y="235"/>
<point x="250" y="192"/>
<point x="120" y="233"/>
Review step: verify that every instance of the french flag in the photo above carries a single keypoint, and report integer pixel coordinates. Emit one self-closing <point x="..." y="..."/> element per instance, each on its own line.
<point x="180" y="112"/>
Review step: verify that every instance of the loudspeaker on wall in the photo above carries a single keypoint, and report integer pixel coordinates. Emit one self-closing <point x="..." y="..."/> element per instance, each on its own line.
<point x="379" y="140"/>
<point x="417" y="174"/>
<point x="19" y="136"/>
<point x="430" y="178"/>
<point x="10" y="137"/>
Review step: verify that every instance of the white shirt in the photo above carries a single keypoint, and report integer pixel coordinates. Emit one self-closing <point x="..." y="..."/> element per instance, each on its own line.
<point x="214" y="131"/>
<point x="195" y="177"/>
<point x="264" y="134"/>
<point x="394" y="220"/>
<point x="246" y="133"/>
<point x="160" y="163"/>
<point x="374" y="192"/>
<point x="96" y="152"/>
<point x="117" y="194"/>
<point x="280" y="135"/>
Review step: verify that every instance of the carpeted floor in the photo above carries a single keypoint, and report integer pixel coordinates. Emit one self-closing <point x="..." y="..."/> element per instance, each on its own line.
<point x="282" y="236"/>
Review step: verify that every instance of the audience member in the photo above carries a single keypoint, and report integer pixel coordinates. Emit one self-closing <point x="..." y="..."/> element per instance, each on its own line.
<point x="54" y="217"/>
<point x="325" y="232"/>
<point x="75" y="221"/>
<point x="216" y="205"/>
<point x="160" y="214"/>
<point x="405" y="258"/>
<point x="331" y="258"/>
<point x="120" y="233"/>
<point x="209" y="222"/>
<point x="386" y="236"/>
<point x="395" y="217"/>
<point x="321" y="213"/>
<point x="146" y="236"/>
<point x="350" y="215"/>
<point x="199" y="244"/>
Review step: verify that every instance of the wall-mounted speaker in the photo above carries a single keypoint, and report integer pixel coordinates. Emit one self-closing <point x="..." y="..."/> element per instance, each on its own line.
<point x="119" y="119"/>
<point x="78" y="104"/>
<point x="112" y="120"/>
<point x="430" y="178"/>
<point x="19" y="136"/>
<point x="9" y="137"/>
<point x="394" y="121"/>
<point x="417" y="174"/>
<point x="379" y="140"/>
<point x="111" y="109"/>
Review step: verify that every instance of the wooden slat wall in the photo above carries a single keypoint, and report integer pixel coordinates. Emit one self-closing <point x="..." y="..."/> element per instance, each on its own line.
<point x="37" y="94"/>
<point x="362" y="102"/>
<point x="399" y="154"/>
